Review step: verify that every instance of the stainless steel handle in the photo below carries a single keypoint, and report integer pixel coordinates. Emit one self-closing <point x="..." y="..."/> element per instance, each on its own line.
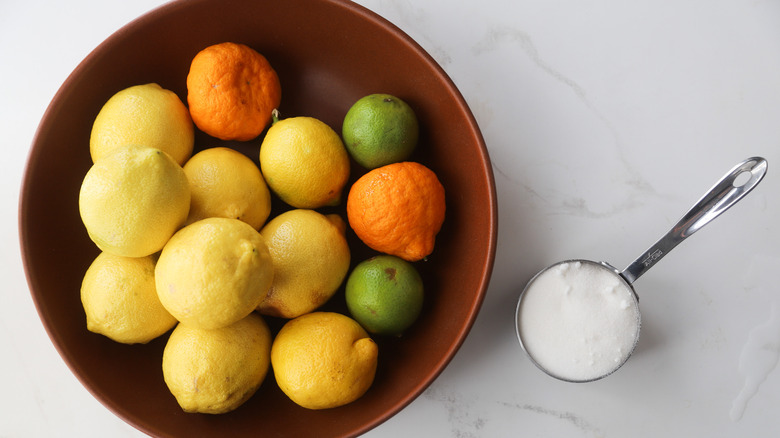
<point x="725" y="193"/>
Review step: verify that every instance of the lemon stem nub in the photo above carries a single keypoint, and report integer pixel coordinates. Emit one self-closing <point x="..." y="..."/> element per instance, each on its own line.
<point x="274" y="116"/>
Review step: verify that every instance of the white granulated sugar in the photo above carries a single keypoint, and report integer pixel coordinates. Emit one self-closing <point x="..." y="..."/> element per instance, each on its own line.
<point x="578" y="321"/>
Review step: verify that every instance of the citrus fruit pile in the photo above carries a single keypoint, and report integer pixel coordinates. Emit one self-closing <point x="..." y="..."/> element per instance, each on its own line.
<point x="190" y="246"/>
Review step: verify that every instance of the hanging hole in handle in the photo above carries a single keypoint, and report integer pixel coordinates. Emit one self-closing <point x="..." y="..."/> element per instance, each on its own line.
<point x="742" y="179"/>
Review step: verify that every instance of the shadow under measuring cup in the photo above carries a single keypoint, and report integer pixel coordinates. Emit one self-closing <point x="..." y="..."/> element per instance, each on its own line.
<point x="579" y="320"/>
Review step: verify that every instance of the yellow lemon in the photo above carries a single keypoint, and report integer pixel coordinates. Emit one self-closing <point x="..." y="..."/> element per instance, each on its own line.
<point x="311" y="259"/>
<point x="120" y="299"/>
<point x="304" y="162"/>
<point x="323" y="360"/>
<point x="214" y="272"/>
<point x="216" y="371"/>
<point x="225" y="183"/>
<point x="133" y="200"/>
<point x="143" y="114"/>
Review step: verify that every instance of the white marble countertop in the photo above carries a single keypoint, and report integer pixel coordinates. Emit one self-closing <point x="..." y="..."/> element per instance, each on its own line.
<point x="605" y="121"/>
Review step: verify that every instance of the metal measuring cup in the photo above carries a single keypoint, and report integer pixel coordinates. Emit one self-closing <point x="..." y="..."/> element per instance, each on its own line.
<point x="725" y="193"/>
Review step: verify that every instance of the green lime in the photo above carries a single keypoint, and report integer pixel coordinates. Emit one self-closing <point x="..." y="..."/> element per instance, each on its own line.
<point x="385" y="294"/>
<point x="380" y="129"/>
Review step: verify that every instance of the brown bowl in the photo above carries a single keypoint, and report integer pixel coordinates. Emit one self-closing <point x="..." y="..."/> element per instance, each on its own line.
<point x="328" y="54"/>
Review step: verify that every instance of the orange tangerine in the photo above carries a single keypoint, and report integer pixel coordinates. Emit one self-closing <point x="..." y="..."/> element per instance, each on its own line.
<point x="231" y="91"/>
<point x="397" y="209"/>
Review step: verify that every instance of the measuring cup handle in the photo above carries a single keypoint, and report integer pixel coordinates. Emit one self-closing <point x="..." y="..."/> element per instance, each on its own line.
<point x="718" y="199"/>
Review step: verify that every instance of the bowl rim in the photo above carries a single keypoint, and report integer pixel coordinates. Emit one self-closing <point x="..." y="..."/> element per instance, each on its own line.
<point x="173" y="7"/>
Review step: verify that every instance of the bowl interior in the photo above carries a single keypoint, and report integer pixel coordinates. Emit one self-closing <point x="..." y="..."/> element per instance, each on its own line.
<point x="328" y="53"/>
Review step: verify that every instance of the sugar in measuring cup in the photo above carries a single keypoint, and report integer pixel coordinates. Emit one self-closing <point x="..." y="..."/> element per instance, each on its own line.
<point x="579" y="320"/>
